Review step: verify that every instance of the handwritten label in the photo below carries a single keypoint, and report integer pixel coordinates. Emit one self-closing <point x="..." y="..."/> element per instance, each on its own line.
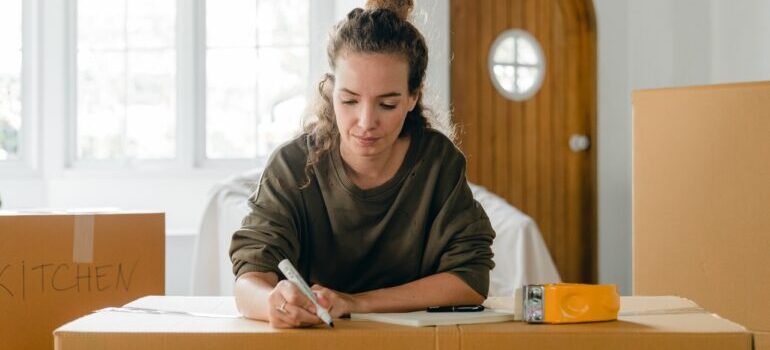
<point x="24" y="279"/>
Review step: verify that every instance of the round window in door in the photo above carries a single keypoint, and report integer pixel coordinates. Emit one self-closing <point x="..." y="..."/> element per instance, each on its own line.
<point x="516" y="64"/>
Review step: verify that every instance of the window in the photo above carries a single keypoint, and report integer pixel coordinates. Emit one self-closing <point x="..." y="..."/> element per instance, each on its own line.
<point x="10" y="79"/>
<point x="126" y="80"/>
<point x="257" y="59"/>
<point x="246" y="78"/>
<point x="516" y="64"/>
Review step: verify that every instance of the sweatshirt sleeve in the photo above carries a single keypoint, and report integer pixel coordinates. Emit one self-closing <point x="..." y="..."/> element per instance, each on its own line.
<point x="465" y="232"/>
<point x="269" y="233"/>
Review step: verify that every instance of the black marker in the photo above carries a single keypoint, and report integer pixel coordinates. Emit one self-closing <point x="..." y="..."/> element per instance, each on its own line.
<point x="457" y="308"/>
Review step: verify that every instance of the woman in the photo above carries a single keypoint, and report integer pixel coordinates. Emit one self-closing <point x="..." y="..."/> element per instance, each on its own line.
<point x="370" y="204"/>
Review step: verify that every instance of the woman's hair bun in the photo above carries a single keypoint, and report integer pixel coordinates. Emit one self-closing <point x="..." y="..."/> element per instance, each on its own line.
<point x="402" y="8"/>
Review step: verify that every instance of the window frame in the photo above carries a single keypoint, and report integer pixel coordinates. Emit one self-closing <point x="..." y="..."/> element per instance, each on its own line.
<point x="28" y="162"/>
<point x="516" y="34"/>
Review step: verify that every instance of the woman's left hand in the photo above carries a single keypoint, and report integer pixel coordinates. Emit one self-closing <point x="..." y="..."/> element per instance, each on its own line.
<point x="339" y="304"/>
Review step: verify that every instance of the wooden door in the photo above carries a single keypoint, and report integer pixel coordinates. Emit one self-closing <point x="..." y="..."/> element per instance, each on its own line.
<point x="521" y="150"/>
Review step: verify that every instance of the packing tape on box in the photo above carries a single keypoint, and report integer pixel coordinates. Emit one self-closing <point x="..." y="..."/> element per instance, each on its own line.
<point x="83" y="239"/>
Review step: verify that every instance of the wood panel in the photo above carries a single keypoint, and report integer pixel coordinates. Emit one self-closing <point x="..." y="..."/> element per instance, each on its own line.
<point x="501" y="22"/>
<point x="486" y="116"/>
<point x="545" y="136"/>
<point x="558" y="68"/>
<point x="516" y="132"/>
<point x="520" y="150"/>
<point x="466" y="17"/>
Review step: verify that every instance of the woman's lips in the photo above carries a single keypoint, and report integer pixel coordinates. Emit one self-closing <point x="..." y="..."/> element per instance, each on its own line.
<point x="366" y="141"/>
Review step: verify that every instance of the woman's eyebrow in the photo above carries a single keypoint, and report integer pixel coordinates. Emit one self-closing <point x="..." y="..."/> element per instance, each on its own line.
<point x="389" y="94"/>
<point x="348" y="91"/>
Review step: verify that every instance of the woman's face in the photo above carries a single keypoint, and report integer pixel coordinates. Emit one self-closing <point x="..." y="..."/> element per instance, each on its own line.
<point x="371" y="98"/>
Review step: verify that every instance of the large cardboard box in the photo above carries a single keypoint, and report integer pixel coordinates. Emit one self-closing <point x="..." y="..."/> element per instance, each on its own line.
<point x="55" y="268"/>
<point x="649" y="323"/>
<point x="762" y="340"/>
<point x="645" y="323"/>
<point x="701" y="198"/>
<point x="152" y="331"/>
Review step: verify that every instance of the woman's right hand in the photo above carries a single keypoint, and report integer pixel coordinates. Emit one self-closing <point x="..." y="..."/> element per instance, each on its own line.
<point x="289" y="308"/>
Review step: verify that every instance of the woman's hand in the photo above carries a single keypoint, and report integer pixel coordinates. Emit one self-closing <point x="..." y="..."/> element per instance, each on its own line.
<point x="289" y="308"/>
<point x="339" y="304"/>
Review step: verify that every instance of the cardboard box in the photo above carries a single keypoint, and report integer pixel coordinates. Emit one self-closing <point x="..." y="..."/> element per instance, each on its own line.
<point x="120" y="330"/>
<point x="55" y="268"/>
<point x="645" y="323"/>
<point x="761" y="340"/>
<point x="656" y="323"/>
<point x="701" y="198"/>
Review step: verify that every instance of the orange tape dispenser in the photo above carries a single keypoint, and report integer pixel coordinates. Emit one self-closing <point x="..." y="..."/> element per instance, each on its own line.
<point x="569" y="303"/>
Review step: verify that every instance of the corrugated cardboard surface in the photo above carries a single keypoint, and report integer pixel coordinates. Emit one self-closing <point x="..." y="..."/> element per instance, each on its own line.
<point x="654" y="323"/>
<point x="121" y="257"/>
<point x="660" y="330"/>
<point x="762" y="341"/>
<point x="701" y="197"/>
<point x="152" y="331"/>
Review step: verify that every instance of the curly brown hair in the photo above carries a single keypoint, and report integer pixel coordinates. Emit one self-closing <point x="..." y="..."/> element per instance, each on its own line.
<point x="383" y="27"/>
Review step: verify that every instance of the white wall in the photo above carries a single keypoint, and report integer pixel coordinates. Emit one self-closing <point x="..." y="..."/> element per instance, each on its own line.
<point x="21" y="193"/>
<point x="614" y="145"/>
<point x="740" y="34"/>
<point x="669" y="43"/>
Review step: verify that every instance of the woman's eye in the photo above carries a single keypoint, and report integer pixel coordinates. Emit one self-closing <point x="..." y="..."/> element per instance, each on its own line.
<point x="387" y="106"/>
<point x="349" y="102"/>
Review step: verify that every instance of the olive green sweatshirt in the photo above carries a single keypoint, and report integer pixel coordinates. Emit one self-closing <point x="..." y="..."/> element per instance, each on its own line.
<point x="421" y="222"/>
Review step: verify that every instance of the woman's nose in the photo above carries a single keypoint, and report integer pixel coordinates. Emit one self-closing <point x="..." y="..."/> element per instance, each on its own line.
<point x="367" y="119"/>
